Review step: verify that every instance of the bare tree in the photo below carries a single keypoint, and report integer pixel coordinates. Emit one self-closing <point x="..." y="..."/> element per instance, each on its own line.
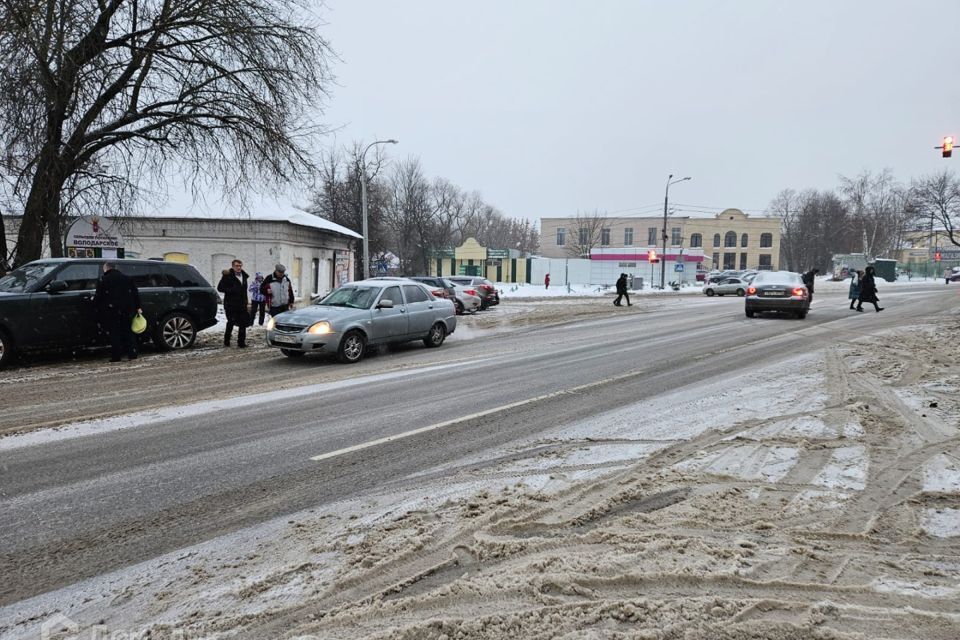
<point x="222" y="90"/>
<point x="881" y="211"/>
<point x="586" y="231"/>
<point x="937" y="198"/>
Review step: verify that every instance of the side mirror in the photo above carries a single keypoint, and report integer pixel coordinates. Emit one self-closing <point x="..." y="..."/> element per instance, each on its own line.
<point x="56" y="286"/>
<point x="385" y="304"/>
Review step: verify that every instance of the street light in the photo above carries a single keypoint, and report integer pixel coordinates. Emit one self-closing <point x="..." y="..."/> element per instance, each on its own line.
<point x="663" y="257"/>
<point x="363" y="203"/>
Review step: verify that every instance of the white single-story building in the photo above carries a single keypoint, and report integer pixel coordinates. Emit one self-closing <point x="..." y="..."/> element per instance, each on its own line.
<point x="318" y="254"/>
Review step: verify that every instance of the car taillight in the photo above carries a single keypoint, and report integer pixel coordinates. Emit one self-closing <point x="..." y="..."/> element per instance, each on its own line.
<point x="438" y="293"/>
<point x="486" y="287"/>
<point x="751" y="290"/>
<point x="799" y="291"/>
<point x="470" y="292"/>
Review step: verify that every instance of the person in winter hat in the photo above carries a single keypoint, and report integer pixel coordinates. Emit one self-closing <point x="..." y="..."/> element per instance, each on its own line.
<point x="622" y="290"/>
<point x="854" y="293"/>
<point x="278" y="290"/>
<point x="258" y="301"/>
<point x="233" y="286"/>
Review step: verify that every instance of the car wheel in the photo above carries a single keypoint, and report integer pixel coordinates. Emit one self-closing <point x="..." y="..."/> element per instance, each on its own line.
<point x="750" y="313"/>
<point x="292" y="353"/>
<point x="709" y="292"/>
<point x="741" y="292"/>
<point x="459" y="307"/>
<point x="438" y="333"/>
<point x="352" y="347"/>
<point x="176" y="331"/>
<point x="6" y="350"/>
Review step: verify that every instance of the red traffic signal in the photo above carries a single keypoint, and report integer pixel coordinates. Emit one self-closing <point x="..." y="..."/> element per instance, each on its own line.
<point x="652" y="256"/>
<point x="937" y="256"/>
<point x="947" y="146"/>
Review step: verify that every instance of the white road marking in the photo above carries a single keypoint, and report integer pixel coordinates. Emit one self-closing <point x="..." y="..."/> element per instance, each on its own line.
<point x="472" y="416"/>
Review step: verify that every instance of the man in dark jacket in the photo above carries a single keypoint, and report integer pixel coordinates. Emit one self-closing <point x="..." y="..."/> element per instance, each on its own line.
<point x="279" y="290"/>
<point x="868" y="290"/>
<point x="809" y="279"/>
<point x="233" y="286"/>
<point x="622" y="290"/>
<point x="117" y="301"/>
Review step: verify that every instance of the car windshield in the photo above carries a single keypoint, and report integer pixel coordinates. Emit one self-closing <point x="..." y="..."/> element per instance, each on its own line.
<point x="353" y="297"/>
<point x="777" y="277"/>
<point x="23" y="279"/>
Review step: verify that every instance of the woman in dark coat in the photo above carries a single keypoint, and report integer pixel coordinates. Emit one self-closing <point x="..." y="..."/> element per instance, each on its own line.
<point x="233" y="286"/>
<point x="868" y="291"/>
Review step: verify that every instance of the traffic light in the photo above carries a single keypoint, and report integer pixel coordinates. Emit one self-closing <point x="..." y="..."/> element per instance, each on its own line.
<point x="937" y="256"/>
<point x="947" y="146"/>
<point x="652" y="256"/>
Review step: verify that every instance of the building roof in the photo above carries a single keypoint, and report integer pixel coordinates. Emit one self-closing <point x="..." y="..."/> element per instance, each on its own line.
<point x="297" y="217"/>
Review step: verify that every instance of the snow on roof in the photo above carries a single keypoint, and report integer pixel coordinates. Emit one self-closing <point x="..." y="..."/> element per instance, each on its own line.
<point x="298" y="217"/>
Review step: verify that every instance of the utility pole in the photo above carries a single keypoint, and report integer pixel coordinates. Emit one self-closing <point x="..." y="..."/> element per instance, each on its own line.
<point x="666" y="204"/>
<point x="363" y="204"/>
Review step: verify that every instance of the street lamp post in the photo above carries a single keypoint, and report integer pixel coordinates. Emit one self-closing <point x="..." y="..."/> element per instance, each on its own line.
<point x="363" y="203"/>
<point x="663" y="256"/>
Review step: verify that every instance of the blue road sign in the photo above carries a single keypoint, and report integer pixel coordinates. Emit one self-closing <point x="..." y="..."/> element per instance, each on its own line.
<point x="678" y="266"/>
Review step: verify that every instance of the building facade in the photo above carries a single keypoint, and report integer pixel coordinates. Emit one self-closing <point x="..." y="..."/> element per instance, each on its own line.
<point x="317" y="253"/>
<point x="730" y="240"/>
<point x="473" y="259"/>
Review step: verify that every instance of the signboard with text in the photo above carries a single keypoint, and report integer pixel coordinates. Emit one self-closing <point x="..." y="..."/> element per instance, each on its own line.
<point x="93" y="237"/>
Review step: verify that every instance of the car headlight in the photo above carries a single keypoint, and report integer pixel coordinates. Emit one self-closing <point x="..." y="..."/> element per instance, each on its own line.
<point x="270" y="323"/>
<point x="319" y="328"/>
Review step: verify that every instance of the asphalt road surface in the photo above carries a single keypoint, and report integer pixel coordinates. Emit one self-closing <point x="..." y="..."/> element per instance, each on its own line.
<point x="75" y="507"/>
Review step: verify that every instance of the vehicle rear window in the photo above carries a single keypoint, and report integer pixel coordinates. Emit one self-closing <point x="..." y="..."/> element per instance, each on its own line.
<point x="183" y="275"/>
<point x="144" y="276"/>
<point x="414" y="293"/>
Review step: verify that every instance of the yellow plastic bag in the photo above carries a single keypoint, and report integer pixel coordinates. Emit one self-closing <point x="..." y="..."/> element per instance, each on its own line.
<point x="139" y="324"/>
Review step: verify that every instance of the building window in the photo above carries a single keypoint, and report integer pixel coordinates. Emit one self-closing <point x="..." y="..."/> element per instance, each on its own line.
<point x="716" y="260"/>
<point x="315" y="272"/>
<point x="584" y="236"/>
<point x="174" y="256"/>
<point x="765" y="262"/>
<point x="729" y="260"/>
<point x="743" y="261"/>
<point x="716" y="239"/>
<point x="628" y="237"/>
<point x="766" y="240"/>
<point x="675" y="237"/>
<point x="652" y="236"/>
<point x="744" y="240"/>
<point x="604" y="237"/>
<point x="696" y="240"/>
<point x="730" y="240"/>
<point x="561" y="236"/>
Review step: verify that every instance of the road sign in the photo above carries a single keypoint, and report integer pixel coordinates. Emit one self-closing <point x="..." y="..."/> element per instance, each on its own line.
<point x="678" y="267"/>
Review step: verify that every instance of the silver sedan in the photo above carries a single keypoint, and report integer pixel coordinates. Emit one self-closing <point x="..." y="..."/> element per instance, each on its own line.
<point x="363" y="314"/>
<point x="732" y="286"/>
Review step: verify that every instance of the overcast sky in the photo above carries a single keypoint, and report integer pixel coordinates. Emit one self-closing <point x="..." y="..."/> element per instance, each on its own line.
<point x="550" y="106"/>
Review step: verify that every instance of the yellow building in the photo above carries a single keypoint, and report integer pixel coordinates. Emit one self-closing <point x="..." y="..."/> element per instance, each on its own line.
<point x="733" y="239"/>
<point x="472" y="259"/>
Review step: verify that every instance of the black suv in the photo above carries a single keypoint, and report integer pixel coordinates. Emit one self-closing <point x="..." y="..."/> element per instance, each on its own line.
<point x="47" y="304"/>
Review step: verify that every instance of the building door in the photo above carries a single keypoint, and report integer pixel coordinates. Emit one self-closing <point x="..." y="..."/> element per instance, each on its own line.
<point x="743" y="262"/>
<point x="297" y="278"/>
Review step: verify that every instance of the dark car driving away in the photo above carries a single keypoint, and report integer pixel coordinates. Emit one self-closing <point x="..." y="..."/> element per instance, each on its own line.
<point x="777" y="291"/>
<point x="48" y="304"/>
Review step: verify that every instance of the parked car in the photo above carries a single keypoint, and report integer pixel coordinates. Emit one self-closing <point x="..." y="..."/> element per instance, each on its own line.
<point x="48" y="304"/>
<point x="952" y="275"/>
<point x="438" y="283"/>
<point x="363" y="314"/>
<point x="721" y="276"/>
<point x="467" y="299"/>
<point x="777" y="291"/>
<point x="732" y="286"/>
<point x="485" y="288"/>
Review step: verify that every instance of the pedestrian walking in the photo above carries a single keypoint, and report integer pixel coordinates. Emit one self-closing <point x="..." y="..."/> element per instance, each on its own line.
<point x="233" y="286"/>
<point x="809" y="279"/>
<point x="279" y="291"/>
<point x="258" y="301"/>
<point x="117" y="301"/>
<point x="622" y="290"/>
<point x="546" y="281"/>
<point x="868" y="290"/>
<point x="854" y="293"/>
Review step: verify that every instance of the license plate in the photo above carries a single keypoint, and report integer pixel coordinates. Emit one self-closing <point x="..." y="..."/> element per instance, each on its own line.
<point x="285" y="339"/>
<point x="774" y="293"/>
